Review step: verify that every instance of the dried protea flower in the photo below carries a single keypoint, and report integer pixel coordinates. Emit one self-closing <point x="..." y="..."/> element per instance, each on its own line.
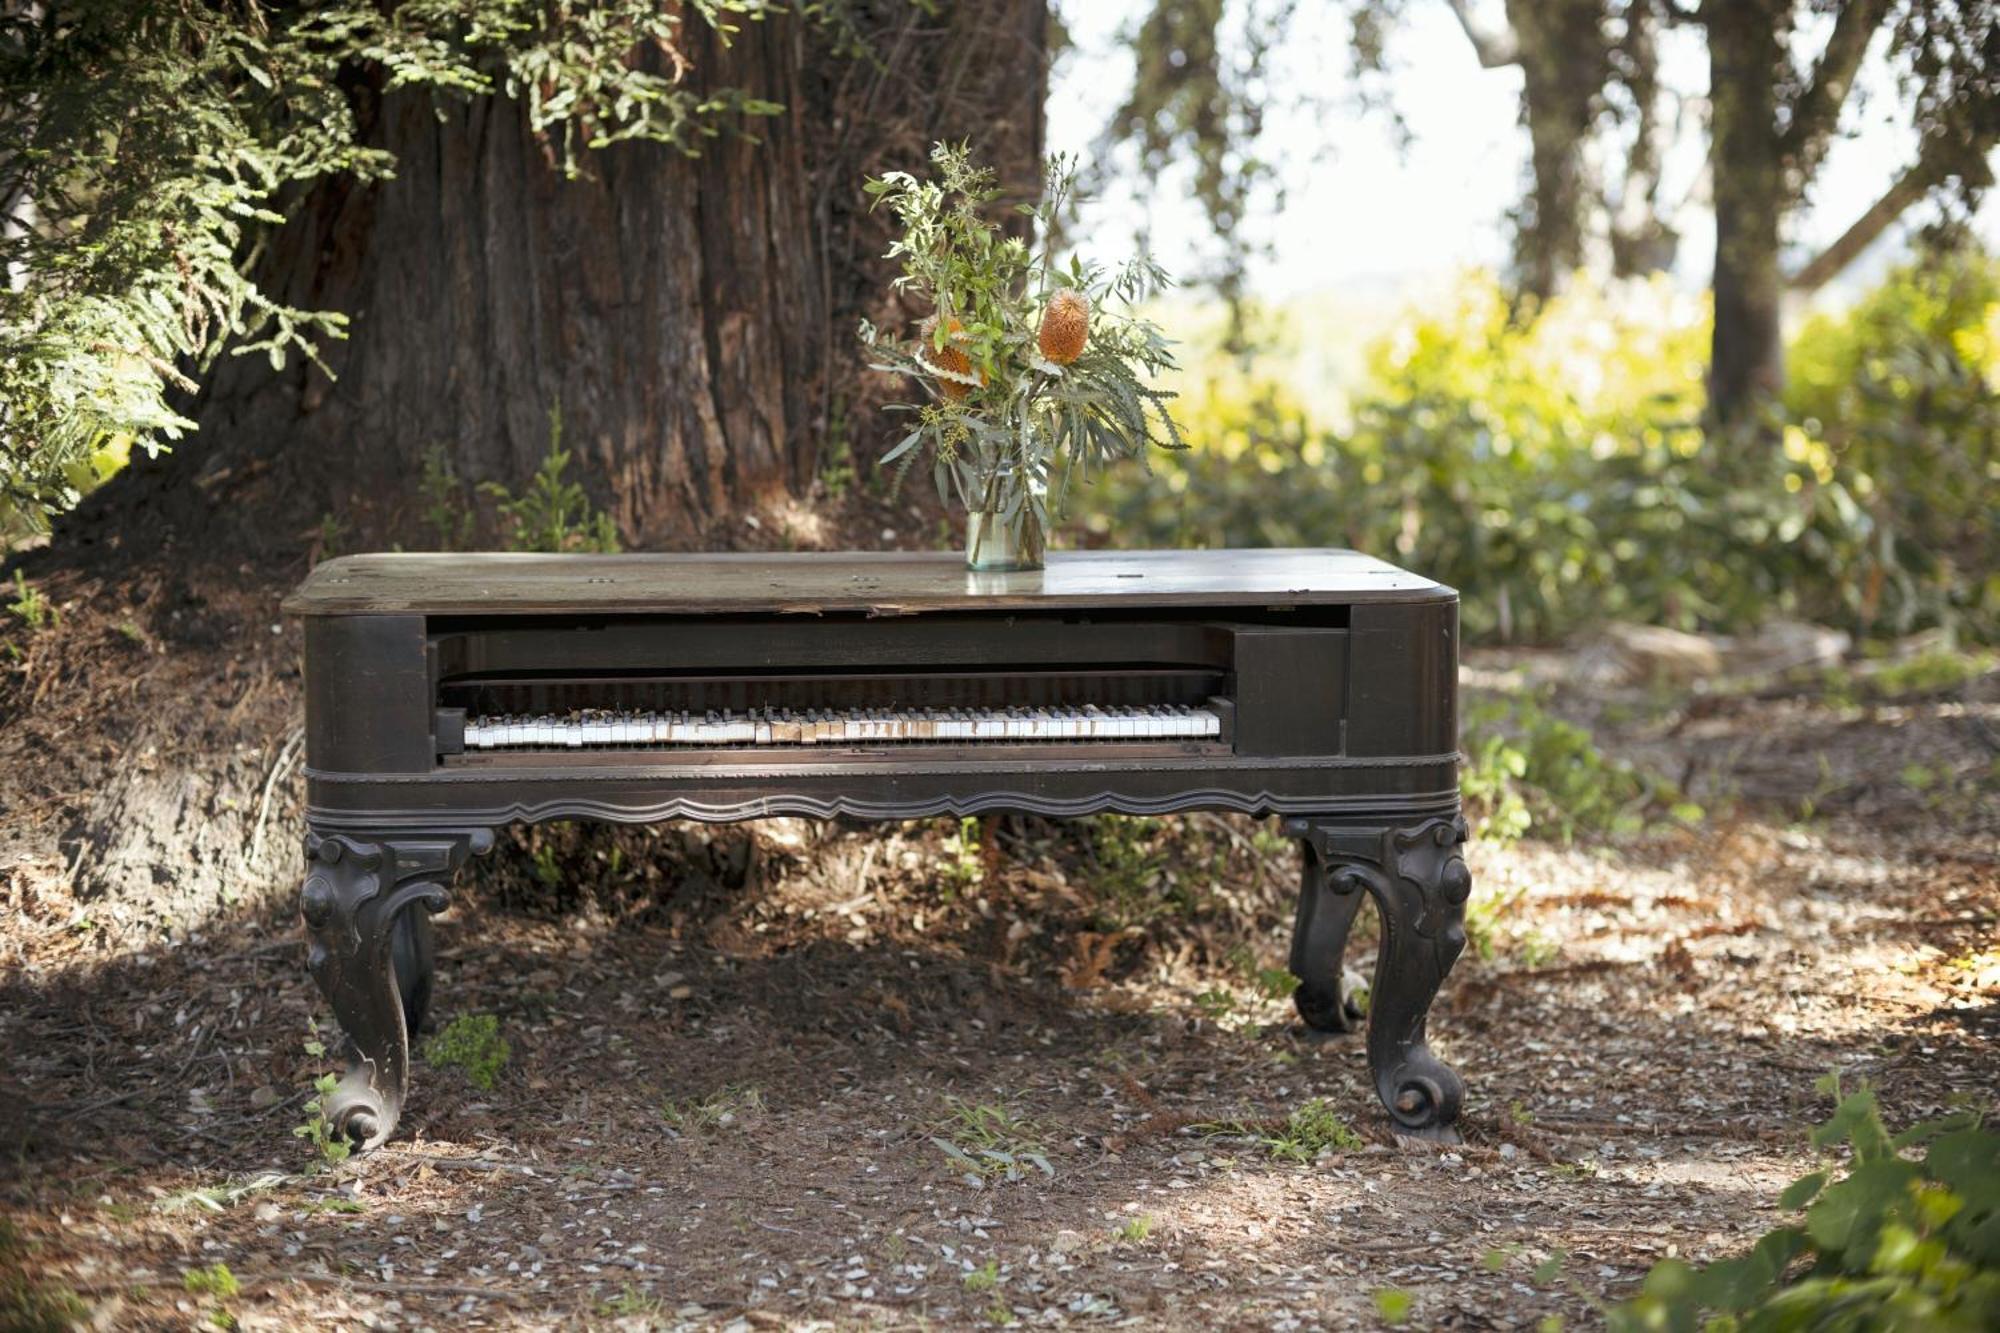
<point x="952" y="366"/>
<point x="1065" y="326"/>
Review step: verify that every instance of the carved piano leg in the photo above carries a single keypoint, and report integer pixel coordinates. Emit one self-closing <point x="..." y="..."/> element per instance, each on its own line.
<point x="1319" y="944"/>
<point x="1420" y="882"/>
<point x="366" y="906"/>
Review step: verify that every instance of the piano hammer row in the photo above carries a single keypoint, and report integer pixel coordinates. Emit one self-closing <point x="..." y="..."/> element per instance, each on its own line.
<point x="776" y="726"/>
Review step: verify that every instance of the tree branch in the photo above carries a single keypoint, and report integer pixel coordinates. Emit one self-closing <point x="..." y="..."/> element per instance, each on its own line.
<point x="1938" y="162"/>
<point x="1816" y="113"/>
<point x="1495" y="49"/>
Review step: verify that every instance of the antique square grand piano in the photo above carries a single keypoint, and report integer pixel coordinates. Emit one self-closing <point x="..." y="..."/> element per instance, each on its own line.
<point x="449" y="695"/>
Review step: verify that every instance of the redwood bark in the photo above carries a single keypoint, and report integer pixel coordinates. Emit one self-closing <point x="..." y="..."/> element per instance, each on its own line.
<point x="692" y="318"/>
<point x="1746" y="55"/>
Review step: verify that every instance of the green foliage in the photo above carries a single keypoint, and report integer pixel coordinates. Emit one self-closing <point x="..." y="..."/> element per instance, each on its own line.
<point x="989" y="1141"/>
<point x="1527" y="766"/>
<point x="1310" y="1130"/>
<point x="552" y="514"/>
<point x="472" y="1044"/>
<point x="215" y="1280"/>
<point x="445" y="513"/>
<point x="28" y="1305"/>
<point x="1559" y="475"/>
<point x="1393" y="1305"/>
<point x="149" y="146"/>
<point x="1008" y="430"/>
<point x="1314" y="1127"/>
<point x="30" y="607"/>
<point x="1136" y="1230"/>
<point x="1897" y="1242"/>
<point x="316" y="1129"/>
<point x="1899" y="399"/>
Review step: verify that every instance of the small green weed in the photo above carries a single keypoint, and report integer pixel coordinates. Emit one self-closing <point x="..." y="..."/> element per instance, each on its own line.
<point x="552" y="514"/>
<point x="1136" y="1230"/>
<point x="631" y="1303"/>
<point x="988" y="1142"/>
<point x="964" y="867"/>
<point x="472" y="1044"/>
<point x="718" y="1110"/>
<point x="30" y="607"/>
<point x="1393" y="1305"/>
<point x="215" y="1280"/>
<point x="445" y="511"/>
<point x="983" y="1278"/>
<point x="316" y="1129"/>
<point x="332" y="536"/>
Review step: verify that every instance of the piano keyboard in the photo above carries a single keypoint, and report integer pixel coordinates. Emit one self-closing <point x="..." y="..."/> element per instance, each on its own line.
<point x="865" y="726"/>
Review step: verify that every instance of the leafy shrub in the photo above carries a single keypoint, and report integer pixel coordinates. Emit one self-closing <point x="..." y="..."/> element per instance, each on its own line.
<point x="1900" y="399"/>
<point x="1895" y="1243"/>
<point x="1528" y="767"/>
<point x="1559" y="473"/>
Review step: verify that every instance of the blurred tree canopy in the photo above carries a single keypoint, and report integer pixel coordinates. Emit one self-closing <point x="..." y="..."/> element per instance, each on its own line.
<point x="1781" y="72"/>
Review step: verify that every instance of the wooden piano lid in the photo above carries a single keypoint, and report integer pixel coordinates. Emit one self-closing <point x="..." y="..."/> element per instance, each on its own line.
<point x="877" y="582"/>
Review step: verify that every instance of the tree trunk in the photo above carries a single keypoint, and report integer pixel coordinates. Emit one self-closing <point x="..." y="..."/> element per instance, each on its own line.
<point x="690" y="318"/>
<point x="1562" y="55"/>
<point x="1746" y="55"/>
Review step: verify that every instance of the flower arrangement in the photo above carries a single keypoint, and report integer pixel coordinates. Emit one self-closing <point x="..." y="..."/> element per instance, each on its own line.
<point x="1034" y="375"/>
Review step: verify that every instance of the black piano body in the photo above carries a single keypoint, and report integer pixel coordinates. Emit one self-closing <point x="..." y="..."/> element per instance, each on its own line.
<point x="450" y="695"/>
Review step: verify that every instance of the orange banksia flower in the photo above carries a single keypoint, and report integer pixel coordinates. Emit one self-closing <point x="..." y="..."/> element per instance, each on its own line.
<point x="949" y="358"/>
<point x="1065" y="326"/>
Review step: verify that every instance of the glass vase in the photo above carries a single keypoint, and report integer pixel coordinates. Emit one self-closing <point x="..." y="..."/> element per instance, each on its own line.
<point x="992" y="547"/>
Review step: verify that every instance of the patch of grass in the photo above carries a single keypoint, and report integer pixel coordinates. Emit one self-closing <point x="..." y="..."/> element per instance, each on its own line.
<point x="216" y="1198"/>
<point x="215" y="1280"/>
<point x="1935" y="671"/>
<point x="26" y="1304"/>
<point x="1313" y="1128"/>
<point x="1136" y="1230"/>
<point x="718" y="1110"/>
<point x="983" y="1278"/>
<point x="472" y="1044"/>
<point x="631" y="1303"/>
<point x="1393" y="1305"/>
<point x="987" y="1142"/>
<point x="335" y="1205"/>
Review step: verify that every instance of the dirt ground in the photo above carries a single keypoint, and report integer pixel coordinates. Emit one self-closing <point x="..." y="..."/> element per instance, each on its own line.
<point x="748" y="1067"/>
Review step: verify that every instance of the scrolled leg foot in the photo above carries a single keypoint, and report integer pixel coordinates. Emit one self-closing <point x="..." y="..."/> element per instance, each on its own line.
<point x="1419" y="880"/>
<point x="366" y="906"/>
